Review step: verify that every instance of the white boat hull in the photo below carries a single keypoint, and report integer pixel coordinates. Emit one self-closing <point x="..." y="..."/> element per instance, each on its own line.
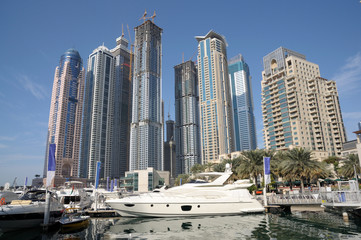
<point x="214" y="198"/>
<point x="184" y="209"/>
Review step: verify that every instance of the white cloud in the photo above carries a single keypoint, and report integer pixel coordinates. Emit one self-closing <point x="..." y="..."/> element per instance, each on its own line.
<point x="349" y="75"/>
<point x="3" y="146"/>
<point x="5" y="138"/>
<point x="34" y="88"/>
<point x="352" y="116"/>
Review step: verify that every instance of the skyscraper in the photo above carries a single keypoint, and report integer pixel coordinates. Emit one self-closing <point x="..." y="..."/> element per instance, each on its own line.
<point x="66" y="114"/>
<point x="216" y="119"/>
<point x="146" y="137"/>
<point x="97" y="108"/>
<point x="122" y="108"/>
<point x="105" y="135"/>
<point x="242" y="104"/>
<point x="170" y="149"/>
<point x="188" y="151"/>
<point x="300" y="108"/>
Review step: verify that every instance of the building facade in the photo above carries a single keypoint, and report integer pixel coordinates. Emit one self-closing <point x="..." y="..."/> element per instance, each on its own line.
<point x="216" y="120"/>
<point x="105" y="135"/>
<point x="97" y="108"/>
<point x="122" y="109"/>
<point x="65" y="116"/>
<point x="242" y="104"/>
<point x="145" y="180"/>
<point x="187" y="135"/>
<point x="300" y="108"/>
<point x="146" y="137"/>
<point x="170" y="150"/>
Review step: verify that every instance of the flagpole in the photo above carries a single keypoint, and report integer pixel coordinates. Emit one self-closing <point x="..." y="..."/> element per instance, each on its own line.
<point x="49" y="178"/>
<point x="264" y="187"/>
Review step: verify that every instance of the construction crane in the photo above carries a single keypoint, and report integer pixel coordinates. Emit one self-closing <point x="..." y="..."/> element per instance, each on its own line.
<point x="152" y="17"/>
<point x="193" y="55"/>
<point x="144" y="17"/>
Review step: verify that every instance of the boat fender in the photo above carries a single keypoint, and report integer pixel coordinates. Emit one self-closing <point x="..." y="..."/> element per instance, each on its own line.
<point x="2" y="201"/>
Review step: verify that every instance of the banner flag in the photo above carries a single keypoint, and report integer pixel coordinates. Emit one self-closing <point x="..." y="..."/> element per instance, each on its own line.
<point x="51" y="165"/>
<point x="97" y="175"/>
<point x="267" y="169"/>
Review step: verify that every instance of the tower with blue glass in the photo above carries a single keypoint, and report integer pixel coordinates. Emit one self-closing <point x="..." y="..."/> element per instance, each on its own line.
<point x="66" y="114"/>
<point x="186" y="117"/>
<point x="216" y="121"/>
<point x="242" y="104"/>
<point x="146" y="136"/>
<point x="106" y="126"/>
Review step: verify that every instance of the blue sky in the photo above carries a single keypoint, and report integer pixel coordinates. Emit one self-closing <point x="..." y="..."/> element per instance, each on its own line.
<point x="34" y="34"/>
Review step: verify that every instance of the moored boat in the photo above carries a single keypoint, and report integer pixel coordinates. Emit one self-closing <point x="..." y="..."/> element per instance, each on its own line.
<point x="192" y="199"/>
<point x="28" y="211"/>
<point x="73" y="219"/>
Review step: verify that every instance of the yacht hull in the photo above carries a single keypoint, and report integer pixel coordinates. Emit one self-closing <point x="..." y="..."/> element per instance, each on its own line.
<point x="13" y="222"/>
<point x="184" y="209"/>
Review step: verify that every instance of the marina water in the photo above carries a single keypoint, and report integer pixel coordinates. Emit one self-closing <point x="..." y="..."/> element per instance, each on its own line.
<point x="298" y="225"/>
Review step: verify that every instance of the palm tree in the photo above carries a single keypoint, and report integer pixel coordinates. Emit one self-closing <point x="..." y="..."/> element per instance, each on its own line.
<point x="251" y="164"/>
<point x="198" y="168"/>
<point x="334" y="160"/>
<point x="349" y="165"/>
<point x="299" y="165"/>
<point x="209" y="166"/>
<point x="184" y="177"/>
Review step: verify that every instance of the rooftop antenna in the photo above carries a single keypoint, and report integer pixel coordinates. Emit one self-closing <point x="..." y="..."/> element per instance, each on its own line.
<point x="122" y="31"/>
<point x="182" y="57"/>
<point x="152" y="17"/>
<point x="144" y="17"/>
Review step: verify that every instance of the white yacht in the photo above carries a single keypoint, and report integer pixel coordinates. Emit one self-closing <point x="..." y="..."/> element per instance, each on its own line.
<point x="73" y="196"/>
<point x="28" y="211"/>
<point x="192" y="199"/>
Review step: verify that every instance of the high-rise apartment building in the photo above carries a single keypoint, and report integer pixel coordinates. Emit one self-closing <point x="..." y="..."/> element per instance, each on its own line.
<point x="187" y="135"/>
<point x="105" y="135"/>
<point x="122" y="109"/>
<point x="65" y="114"/>
<point x="146" y="137"/>
<point x="300" y="108"/>
<point x="242" y="104"/>
<point x="216" y="119"/>
<point x="170" y="149"/>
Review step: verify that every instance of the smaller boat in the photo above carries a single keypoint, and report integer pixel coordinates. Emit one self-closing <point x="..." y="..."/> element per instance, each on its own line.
<point x="73" y="219"/>
<point x="28" y="211"/>
<point x="73" y="196"/>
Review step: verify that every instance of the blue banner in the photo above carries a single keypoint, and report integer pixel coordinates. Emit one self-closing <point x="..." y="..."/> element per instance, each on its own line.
<point x="51" y="161"/>
<point x="97" y="175"/>
<point x="267" y="169"/>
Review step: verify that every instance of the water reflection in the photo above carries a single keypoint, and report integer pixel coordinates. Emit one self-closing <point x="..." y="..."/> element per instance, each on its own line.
<point x="299" y="225"/>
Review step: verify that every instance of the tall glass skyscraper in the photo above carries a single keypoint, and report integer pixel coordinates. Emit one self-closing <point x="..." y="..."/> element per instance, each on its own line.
<point x="97" y="107"/>
<point x="216" y="119"/>
<point x="146" y="137"/>
<point x="105" y="135"/>
<point x="242" y="104"/>
<point x="187" y="133"/>
<point x="66" y="114"/>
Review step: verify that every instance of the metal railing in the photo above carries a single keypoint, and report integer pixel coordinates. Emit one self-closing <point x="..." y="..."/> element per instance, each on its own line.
<point x="293" y="199"/>
<point x="341" y="198"/>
